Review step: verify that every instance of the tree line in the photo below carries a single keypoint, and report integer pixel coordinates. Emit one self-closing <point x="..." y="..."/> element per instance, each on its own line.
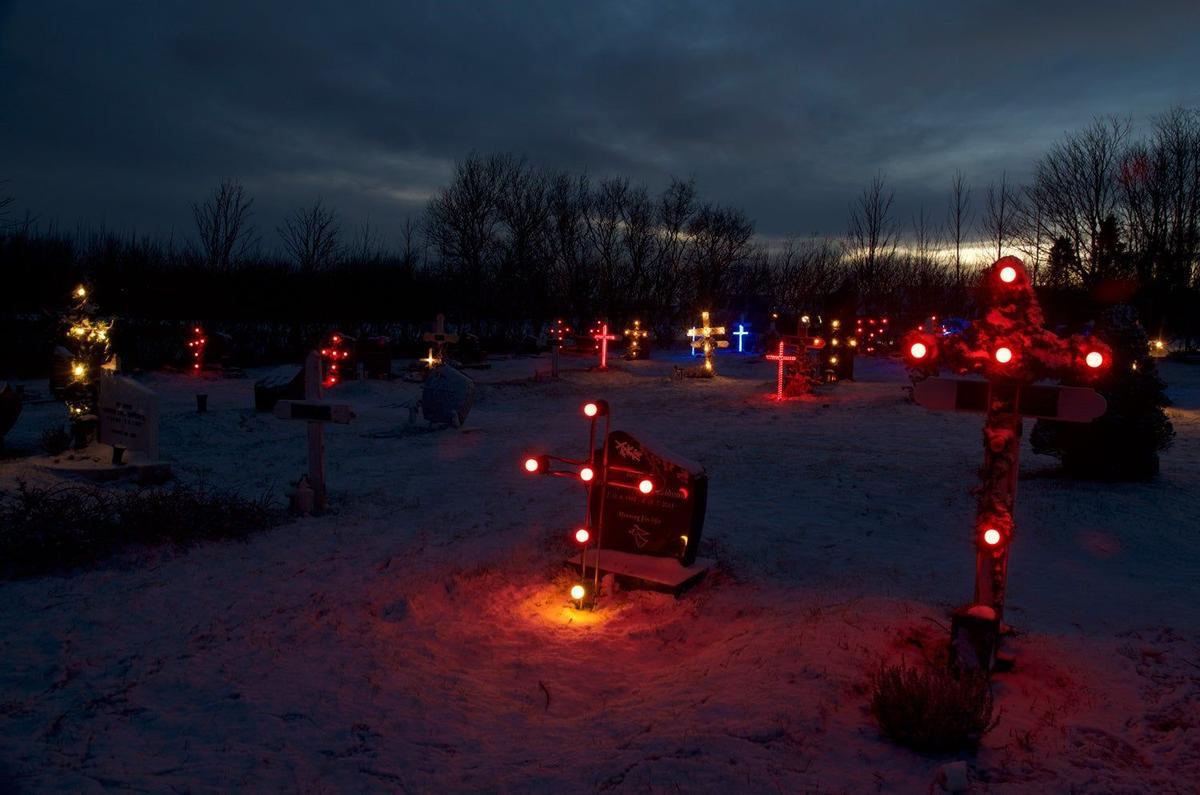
<point x="506" y="245"/>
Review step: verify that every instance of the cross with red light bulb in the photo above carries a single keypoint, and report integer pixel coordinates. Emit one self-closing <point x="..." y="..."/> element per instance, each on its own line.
<point x="780" y="360"/>
<point x="597" y="474"/>
<point x="603" y="337"/>
<point x="197" y="343"/>
<point x="1010" y="347"/>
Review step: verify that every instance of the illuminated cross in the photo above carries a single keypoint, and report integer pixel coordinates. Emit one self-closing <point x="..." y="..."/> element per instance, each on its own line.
<point x="439" y="338"/>
<point x="636" y="350"/>
<point x="780" y="359"/>
<point x="741" y="332"/>
<point x="1012" y="350"/>
<point x="603" y="337"/>
<point x="704" y="340"/>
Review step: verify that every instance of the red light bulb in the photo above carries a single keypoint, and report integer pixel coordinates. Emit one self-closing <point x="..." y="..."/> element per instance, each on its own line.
<point x="918" y="350"/>
<point x="1004" y="355"/>
<point x="991" y="536"/>
<point x="646" y="486"/>
<point x="1094" y="359"/>
<point x="531" y="465"/>
<point x="586" y="474"/>
<point x="582" y="535"/>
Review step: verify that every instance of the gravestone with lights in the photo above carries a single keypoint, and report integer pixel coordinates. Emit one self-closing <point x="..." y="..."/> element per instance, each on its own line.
<point x="705" y="340"/>
<point x="311" y="495"/>
<point x="438" y="339"/>
<point x="781" y="359"/>
<point x="644" y="509"/>
<point x="1010" y="348"/>
<point x="336" y="364"/>
<point x="602" y="338"/>
<point x="741" y="333"/>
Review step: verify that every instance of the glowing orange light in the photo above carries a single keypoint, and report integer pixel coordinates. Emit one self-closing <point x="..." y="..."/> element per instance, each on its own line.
<point x="991" y="536"/>
<point x="586" y="474"/>
<point x="1094" y="359"/>
<point x="531" y="465"/>
<point x="577" y="592"/>
<point x="582" y="535"/>
<point x="1004" y="355"/>
<point x="645" y="487"/>
<point x="1008" y="274"/>
<point x="591" y="409"/>
<point x="918" y="350"/>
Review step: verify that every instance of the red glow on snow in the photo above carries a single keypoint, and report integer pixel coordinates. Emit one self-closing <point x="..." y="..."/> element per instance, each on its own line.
<point x="1004" y="355"/>
<point x="1094" y="359"/>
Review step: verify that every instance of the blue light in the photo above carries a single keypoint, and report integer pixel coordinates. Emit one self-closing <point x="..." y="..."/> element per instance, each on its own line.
<point x="741" y="332"/>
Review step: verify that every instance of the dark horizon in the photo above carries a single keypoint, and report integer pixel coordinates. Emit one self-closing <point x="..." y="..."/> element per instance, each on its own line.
<point x="126" y="119"/>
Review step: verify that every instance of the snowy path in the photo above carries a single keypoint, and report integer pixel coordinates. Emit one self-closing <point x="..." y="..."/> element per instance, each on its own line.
<point x="416" y="638"/>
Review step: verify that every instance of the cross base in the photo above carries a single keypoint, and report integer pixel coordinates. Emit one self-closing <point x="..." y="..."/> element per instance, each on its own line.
<point x="646" y="571"/>
<point x="974" y="638"/>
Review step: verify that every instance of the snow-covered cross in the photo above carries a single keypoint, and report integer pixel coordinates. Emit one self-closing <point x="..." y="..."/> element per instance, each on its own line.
<point x="780" y="359"/>
<point x="704" y="339"/>
<point x="603" y="337"/>
<point x="1011" y="349"/>
<point x="439" y="338"/>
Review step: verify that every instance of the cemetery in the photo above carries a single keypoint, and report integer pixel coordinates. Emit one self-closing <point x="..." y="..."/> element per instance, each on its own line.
<point x="538" y="407"/>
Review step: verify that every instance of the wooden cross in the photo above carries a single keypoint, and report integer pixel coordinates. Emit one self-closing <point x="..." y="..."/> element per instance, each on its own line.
<point x="704" y="340"/>
<point x="1011" y="349"/>
<point x="636" y="334"/>
<point x="780" y="359"/>
<point x="603" y="337"/>
<point x="439" y="338"/>
<point x="316" y="413"/>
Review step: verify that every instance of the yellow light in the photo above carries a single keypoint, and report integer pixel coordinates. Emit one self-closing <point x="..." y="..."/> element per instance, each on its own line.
<point x="81" y="291"/>
<point x="804" y="318"/>
<point x="707" y="365"/>
<point x="79" y="370"/>
<point x="836" y="324"/>
<point x="577" y="592"/>
<point x="1159" y="344"/>
<point x="853" y="343"/>
<point x="833" y="341"/>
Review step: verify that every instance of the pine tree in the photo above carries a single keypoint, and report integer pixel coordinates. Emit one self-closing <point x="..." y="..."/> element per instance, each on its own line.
<point x="87" y="344"/>
<point x="1124" y="443"/>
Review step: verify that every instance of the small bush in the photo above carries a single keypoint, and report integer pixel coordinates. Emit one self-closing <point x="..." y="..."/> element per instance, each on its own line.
<point x="45" y="529"/>
<point x="932" y="709"/>
<point x="55" y="440"/>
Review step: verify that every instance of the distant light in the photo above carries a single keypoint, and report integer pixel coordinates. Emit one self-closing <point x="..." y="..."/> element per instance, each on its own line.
<point x="531" y="465"/>
<point x="1004" y="355"/>
<point x="586" y="474"/>
<point x="1094" y="359"/>
<point x="645" y="487"/>
<point x="582" y="535"/>
<point x="918" y="350"/>
<point x="577" y="592"/>
<point x="991" y="536"/>
<point x="1008" y="274"/>
<point x="591" y="409"/>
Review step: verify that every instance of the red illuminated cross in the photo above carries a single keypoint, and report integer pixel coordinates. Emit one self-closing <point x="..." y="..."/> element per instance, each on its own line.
<point x="603" y="337"/>
<point x="780" y="358"/>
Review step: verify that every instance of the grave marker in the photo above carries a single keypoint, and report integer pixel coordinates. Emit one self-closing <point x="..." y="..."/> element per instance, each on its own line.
<point x="440" y="338"/>
<point x="780" y="359"/>
<point x="603" y="337"/>
<point x="128" y="415"/>
<point x="316" y="413"/>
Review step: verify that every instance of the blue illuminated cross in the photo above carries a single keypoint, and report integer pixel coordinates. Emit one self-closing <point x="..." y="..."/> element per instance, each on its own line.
<point x="741" y="332"/>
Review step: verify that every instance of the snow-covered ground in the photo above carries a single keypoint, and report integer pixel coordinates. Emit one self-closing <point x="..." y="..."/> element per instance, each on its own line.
<point x="417" y="637"/>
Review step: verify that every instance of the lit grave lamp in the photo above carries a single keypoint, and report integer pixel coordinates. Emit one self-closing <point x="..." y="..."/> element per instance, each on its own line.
<point x="644" y="512"/>
<point x="704" y="339"/>
<point x="335" y="355"/>
<point x="1009" y="347"/>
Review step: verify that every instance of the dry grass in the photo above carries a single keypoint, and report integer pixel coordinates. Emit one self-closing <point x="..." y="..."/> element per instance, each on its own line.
<point x="932" y="708"/>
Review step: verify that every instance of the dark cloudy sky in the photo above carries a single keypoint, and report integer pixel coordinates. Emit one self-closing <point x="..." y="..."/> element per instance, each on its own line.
<point x="125" y="112"/>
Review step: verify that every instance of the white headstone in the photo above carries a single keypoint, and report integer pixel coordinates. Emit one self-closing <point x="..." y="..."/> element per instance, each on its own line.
<point x="128" y="414"/>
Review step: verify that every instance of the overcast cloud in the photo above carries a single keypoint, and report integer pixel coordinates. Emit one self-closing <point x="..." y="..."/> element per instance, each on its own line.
<point x="124" y="113"/>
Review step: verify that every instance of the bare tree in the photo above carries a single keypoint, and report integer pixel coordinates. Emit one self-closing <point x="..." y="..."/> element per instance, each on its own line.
<point x="959" y="220"/>
<point x="1078" y="188"/>
<point x="925" y="236"/>
<point x="311" y="237"/>
<point x="5" y="203"/>
<point x="223" y="225"/>
<point x="1000" y="214"/>
<point x="872" y="239"/>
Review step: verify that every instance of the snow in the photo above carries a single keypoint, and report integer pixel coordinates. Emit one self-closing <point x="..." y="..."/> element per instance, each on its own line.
<point x="418" y="638"/>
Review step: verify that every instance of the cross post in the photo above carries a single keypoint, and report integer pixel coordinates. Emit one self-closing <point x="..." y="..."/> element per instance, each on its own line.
<point x="603" y="337"/>
<point x="780" y="360"/>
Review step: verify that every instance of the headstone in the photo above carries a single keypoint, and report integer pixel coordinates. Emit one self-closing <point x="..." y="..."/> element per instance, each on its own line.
<point x="447" y="396"/>
<point x="10" y="408"/>
<point x="282" y="383"/>
<point x="128" y="415"/>
<point x="665" y="523"/>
